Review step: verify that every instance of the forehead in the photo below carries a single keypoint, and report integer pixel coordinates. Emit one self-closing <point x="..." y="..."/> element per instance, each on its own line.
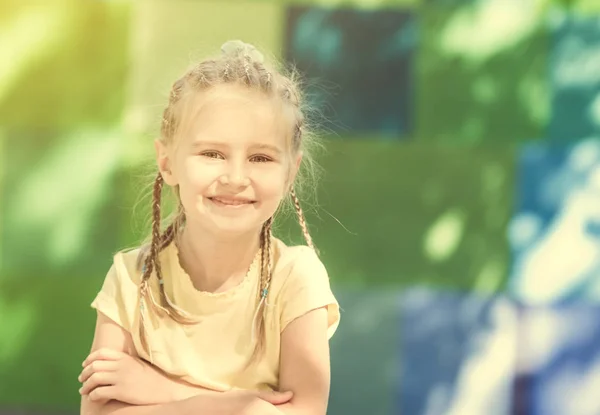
<point x="234" y="114"/>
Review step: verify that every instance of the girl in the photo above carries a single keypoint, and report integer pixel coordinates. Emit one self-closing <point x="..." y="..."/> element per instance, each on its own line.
<point x="215" y="315"/>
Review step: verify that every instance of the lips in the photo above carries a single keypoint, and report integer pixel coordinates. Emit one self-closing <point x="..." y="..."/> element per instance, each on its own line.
<point x="229" y="201"/>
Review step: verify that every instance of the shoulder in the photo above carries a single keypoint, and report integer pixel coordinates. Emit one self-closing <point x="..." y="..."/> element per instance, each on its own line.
<point x="301" y="284"/>
<point x="118" y="296"/>
<point x="127" y="264"/>
<point x="296" y="260"/>
<point x="297" y="266"/>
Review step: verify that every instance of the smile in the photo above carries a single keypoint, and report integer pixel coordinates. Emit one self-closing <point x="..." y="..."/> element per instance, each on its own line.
<point x="228" y="202"/>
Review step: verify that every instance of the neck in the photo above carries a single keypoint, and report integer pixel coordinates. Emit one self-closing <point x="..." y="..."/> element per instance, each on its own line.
<point x="216" y="264"/>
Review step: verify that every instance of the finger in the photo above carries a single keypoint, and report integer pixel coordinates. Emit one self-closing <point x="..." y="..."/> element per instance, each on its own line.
<point x="275" y="397"/>
<point x="103" y="354"/>
<point x="96" y="380"/>
<point x="104" y="393"/>
<point x="95" y="367"/>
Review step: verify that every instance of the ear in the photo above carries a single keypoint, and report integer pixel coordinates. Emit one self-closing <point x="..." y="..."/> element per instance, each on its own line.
<point x="163" y="160"/>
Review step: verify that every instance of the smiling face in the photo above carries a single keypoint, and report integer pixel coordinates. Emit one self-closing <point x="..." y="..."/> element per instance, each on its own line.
<point x="232" y="162"/>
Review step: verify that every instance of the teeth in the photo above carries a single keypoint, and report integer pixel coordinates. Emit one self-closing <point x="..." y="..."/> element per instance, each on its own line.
<point x="231" y="202"/>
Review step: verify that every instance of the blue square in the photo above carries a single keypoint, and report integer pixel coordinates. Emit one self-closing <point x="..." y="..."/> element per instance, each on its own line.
<point x="457" y="354"/>
<point x="559" y="361"/>
<point x="359" y="66"/>
<point x="555" y="231"/>
<point x="364" y="352"/>
<point x="575" y="77"/>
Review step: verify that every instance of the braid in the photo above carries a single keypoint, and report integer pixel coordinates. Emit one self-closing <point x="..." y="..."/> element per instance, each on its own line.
<point x="168" y="123"/>
<point x="156" y="199"/>
<point x="168" y="235"/>
<point x="267" y="80"/>
<point x="176" y="90"/>
<point x="226" y="72"/>
<point x="247" y="70"/>
<point x="267" y="263"/>
<point x="197" y="78"/>
<point x="302" y="220"/>
<point x="169" y="119"/>
<point x="264" y="77"/>
<point x="266" y="272"/>
<point x="152" y="263"/>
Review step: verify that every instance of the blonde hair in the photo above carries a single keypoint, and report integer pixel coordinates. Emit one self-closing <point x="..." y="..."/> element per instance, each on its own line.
<point x="239" y="64"/>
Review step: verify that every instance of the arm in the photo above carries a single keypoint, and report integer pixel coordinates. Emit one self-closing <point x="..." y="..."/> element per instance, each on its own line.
<point x="185" y="407"/>
<point x="110" y="335"/>
<point x="177" y="398"/>
<point x="305" y="366"/>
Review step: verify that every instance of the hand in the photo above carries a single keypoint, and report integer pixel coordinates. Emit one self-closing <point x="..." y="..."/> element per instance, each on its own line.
<point x="110" y="374"/>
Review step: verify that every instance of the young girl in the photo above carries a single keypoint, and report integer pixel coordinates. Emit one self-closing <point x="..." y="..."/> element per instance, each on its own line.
<point x="215" y="315"/>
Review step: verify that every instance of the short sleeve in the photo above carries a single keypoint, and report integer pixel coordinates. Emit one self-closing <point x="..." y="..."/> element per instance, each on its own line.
<point x="307" y="288"/>
<point x="118" y="296"/>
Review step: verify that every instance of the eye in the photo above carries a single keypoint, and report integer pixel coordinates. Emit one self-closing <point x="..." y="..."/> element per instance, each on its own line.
<point x="212" y="154"/>
<point x="260" y="158"/>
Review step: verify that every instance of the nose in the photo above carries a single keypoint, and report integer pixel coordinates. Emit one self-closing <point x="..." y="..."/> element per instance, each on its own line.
<point x="235" y="176"/>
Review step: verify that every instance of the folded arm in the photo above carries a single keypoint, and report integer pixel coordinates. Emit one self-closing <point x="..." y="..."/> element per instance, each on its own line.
<point x="116" y="382"/>
<point x="305" y="364"/>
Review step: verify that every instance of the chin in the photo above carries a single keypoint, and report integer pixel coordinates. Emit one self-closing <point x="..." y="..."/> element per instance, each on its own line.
<point x="228" y="226"/>
<point x="233" y="230"/>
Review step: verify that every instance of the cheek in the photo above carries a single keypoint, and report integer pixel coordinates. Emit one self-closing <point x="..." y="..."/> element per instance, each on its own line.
<point x="198" y="175"/>
<point x="271" y="182"/>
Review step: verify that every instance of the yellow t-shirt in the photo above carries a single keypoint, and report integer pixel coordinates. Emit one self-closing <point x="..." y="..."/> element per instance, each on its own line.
<point x="214" y="352"/>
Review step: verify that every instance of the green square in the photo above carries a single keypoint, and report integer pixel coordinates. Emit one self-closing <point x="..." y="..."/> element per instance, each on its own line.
<point x="357" y="4"/>
<point x="62" y="213"/>
<point x="586" y="7"/>
<point x="480" y="79"/>
<point x="413" y="214"/>
<point x="46" y="330"/>
<point x="3" y="160"/>
<point x="68" y="64"/>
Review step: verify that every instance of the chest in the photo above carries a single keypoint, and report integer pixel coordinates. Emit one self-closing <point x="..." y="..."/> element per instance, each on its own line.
<point x="217" y="352"/>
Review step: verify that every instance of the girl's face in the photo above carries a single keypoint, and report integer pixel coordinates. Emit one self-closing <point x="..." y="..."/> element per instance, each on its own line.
<point x="232" y="162"/>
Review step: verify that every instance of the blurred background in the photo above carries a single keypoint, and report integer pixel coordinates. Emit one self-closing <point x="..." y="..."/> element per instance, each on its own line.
<point x="458" y="213"/>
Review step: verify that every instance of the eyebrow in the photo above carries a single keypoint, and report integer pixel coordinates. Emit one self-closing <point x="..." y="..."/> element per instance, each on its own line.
<point x="202" y="143"/>
<point x="269" y="147"/>
<point x="257" y="146"/>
